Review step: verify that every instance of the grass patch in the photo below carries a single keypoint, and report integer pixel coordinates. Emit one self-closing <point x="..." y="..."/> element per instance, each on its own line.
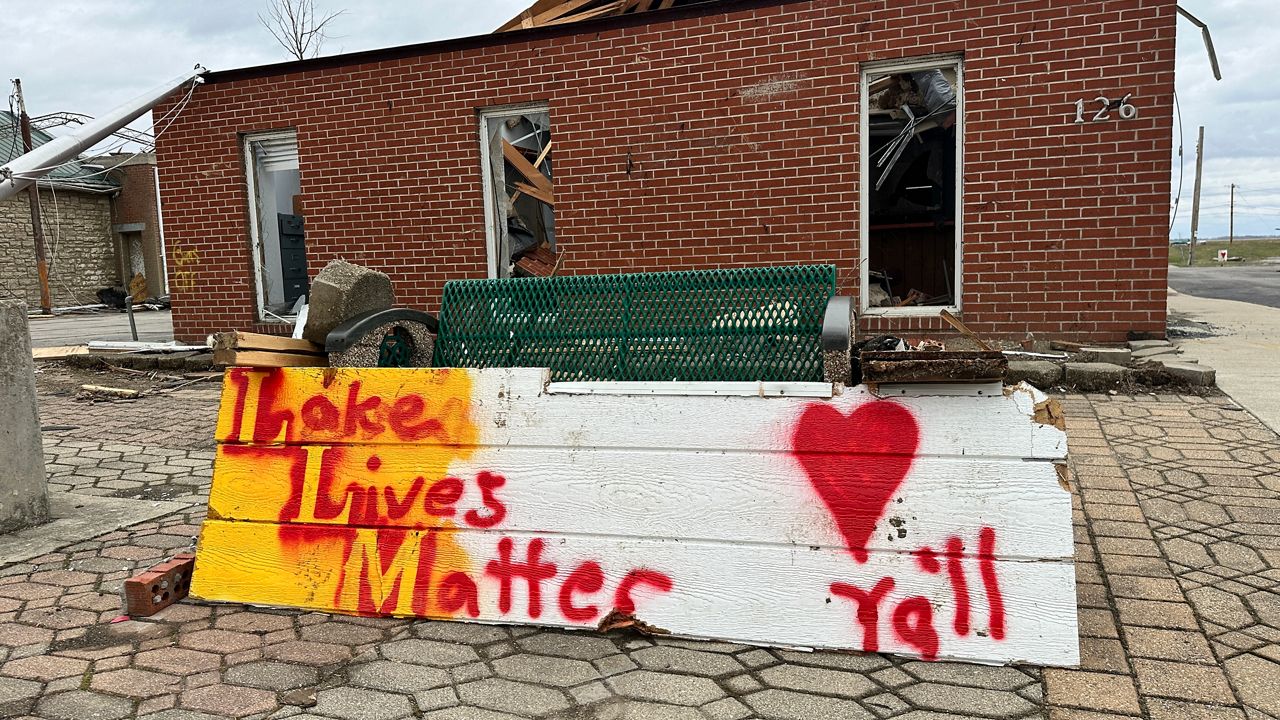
<point x="1207" y="252"/>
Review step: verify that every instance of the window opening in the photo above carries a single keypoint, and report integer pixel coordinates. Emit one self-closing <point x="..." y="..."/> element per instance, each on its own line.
<point x="519" y="194"/>
<point x="277" y="228"/>
<point x="911" y="151"/>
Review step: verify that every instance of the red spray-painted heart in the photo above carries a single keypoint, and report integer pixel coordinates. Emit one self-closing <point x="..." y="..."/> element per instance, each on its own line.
<point x="856" y="462"/>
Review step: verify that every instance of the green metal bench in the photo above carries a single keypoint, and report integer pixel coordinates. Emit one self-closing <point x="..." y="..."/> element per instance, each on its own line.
<point x="747" y="324"/>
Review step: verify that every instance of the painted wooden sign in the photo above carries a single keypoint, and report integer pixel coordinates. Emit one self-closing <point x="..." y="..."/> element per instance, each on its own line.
<point x="930" y="525"/>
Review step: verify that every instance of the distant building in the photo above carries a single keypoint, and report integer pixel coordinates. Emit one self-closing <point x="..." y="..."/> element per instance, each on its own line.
<point x="101" y="226"/>
<point x="1007" y="161"/>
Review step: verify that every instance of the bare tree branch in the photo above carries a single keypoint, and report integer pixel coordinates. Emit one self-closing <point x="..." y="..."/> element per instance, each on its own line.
<point x="296" y="25"/>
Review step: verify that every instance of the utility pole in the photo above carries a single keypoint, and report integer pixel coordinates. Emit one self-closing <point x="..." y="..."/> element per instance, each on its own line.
<point x="33" y="194"/>
<point x="1195" y="199"/>
<point x="1231" y="231"/>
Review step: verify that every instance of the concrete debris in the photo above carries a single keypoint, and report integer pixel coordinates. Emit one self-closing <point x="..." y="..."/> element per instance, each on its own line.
<point x="1115" y="356"/>
<point x="342" y="291"/>
<point x="1096" y="377"/>
<point x="1137" y="345"/>
<point x="1155" y="352"/>
<point x="1191" y="373"/>
<point x="1040" y="373"/>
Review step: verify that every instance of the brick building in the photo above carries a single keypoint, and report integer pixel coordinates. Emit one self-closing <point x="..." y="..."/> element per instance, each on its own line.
<point x="135" y="219"/>
<point x="941" y="154"/>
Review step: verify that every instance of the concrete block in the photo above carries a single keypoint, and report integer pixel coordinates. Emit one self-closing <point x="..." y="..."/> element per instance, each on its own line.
<point x="1041" y="373"/>
<point x="1137" y="345"/>
<point x="365" y="352"/>
<point x="1191" y="373"/>
<point x="340" y="292"/>
<point x="24" y="499"/>
<point x="1092" y="377"/>
<point x="1155" y="352"/>
<point x="1115" y="356"/>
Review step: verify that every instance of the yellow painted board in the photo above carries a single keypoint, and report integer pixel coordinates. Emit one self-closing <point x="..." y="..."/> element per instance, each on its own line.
<point x="337" y="405"/>
<point x="364" y="571"/>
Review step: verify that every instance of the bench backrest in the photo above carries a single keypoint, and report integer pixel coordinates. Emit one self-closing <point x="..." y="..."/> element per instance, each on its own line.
<point x="743" y="324"/>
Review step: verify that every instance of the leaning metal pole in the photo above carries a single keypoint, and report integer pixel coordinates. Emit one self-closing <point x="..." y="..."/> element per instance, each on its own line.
<point x="24" y="170"/>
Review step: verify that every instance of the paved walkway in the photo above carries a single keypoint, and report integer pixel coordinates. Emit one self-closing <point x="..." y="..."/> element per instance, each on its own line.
<point x="1178" y="543"/>
<point x="1244" y="349"/>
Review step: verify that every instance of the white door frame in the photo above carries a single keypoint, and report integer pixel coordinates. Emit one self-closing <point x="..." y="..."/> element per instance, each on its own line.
<point x="492" y="232"/>
<point x="256" y="249"/>
<point x="889" y="67"/>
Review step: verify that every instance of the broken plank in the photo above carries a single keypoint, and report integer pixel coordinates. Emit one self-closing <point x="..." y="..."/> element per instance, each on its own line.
<point x="110" y="391"/>
<point x="525" y="168"/>
<point x="932" y="367"/>
<point x="58" y="353"/>
<point x="772" y="595"/>
<point x="239" y="340"/>
<point x="547" y="196"/>
<point x="964" y="330"/>
<point x="264" y="359"/>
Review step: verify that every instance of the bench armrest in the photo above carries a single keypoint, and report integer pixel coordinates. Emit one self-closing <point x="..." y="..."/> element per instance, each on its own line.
<point x="351" y="331"/>
<point x="837" y="324"/>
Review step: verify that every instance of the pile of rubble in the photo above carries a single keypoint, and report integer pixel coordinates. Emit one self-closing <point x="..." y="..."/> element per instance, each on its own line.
<point x="1092" y="369"/>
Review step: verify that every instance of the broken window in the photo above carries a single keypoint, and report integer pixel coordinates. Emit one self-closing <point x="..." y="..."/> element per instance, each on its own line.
<point x="911" y="170"/>
<point x="276" y="228"/>
<point x="519" y="199"/>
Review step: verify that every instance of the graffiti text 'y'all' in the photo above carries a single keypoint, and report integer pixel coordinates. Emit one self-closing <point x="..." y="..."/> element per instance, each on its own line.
<point x="857" y="494"/>
<point x="370" y="516"/>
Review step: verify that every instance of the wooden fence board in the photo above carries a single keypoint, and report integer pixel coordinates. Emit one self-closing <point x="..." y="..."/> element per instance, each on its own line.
<point x="339" y="406"/>
<point x="754" y="497"/>
<point x="759" y="594"/>
<point x="772" y="518"/>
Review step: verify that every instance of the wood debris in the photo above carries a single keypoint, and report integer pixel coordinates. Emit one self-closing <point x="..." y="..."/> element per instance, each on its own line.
<point x="123" y="393"/>
<point x="545" y="13"/>
<point x="245" y="349"/>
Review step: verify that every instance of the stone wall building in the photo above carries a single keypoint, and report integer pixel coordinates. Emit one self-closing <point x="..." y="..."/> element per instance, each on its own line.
<point x="101" y="221"/>
<point x="77" y="228"/>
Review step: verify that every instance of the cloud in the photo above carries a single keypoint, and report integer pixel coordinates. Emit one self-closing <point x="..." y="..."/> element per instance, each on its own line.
<point x="90" y="56"/>
<point x="1242" y="138"/>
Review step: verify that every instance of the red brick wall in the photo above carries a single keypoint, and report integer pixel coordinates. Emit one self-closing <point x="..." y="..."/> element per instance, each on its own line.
<point x="1065" y="225"/>
<point x="136" y="203"/>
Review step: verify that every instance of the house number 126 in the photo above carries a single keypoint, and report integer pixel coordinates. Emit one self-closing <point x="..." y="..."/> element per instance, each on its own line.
<point x="1126" y="111"/>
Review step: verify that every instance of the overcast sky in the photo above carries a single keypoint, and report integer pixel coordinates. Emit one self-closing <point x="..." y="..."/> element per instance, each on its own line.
<point x="90" y="55"/>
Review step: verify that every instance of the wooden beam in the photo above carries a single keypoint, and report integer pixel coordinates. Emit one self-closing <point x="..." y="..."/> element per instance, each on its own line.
<point x="588" y="14"/>
<point x="525" y="168"/>
<point x="558" y="12"/>
<point x="543" y="155"/>
<point x="256" y="358"/>
<point x="236" y="340"/>
<point x="525" y="18"/>
<point x="547" y="196"/>
<point x="965" y="331"/>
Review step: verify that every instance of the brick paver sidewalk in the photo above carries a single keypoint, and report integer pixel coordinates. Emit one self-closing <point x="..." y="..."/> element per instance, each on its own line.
<point x="1178" y="546"/>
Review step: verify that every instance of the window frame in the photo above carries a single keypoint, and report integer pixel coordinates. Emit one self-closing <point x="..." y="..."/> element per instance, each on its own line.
<point x="257" y="249"/>
<point x="951" y="61"/>
<point x="483" y="117"/>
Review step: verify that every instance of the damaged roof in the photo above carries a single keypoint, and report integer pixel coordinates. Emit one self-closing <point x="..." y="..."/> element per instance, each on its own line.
<point x="586" y="17"/>
<point x="71" y="175"/>
<point x="559" y="12"/>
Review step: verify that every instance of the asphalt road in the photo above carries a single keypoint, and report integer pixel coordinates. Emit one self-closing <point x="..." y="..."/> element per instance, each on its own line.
<point x="153" y="326"/>
<point x="1258" y="284"/>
